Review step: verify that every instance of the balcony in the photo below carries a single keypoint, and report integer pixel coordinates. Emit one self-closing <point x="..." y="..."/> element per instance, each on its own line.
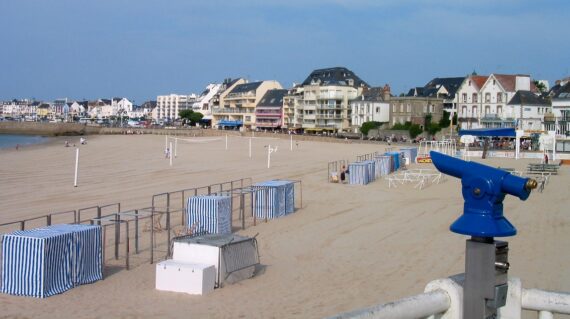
<point x="329" y="116"/>
<point x="268" y="124"/>
<point x="231" y="110"/>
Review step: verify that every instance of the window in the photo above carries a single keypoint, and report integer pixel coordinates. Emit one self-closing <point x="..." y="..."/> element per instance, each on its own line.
<point x="474" y="98"/>
<point x="377" y="109"/>
<point x="464" y="110"/>
<point x="499" y="97"/>
<point x="409" y="108"/>
<point x="499" y="110"/>
<point x="474" y="110"/>
<point x="487" y="97"/>
<point x="401" y="108"/>
<point x="464" y="97"/>
<point x="394" y="108"/>
<point x="425" y="108"/>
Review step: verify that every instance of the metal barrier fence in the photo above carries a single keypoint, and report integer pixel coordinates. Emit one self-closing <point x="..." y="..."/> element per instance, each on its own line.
<point x="366" y="157"/>
<point x="334" y="168"/>
<point x="127" y="226"/>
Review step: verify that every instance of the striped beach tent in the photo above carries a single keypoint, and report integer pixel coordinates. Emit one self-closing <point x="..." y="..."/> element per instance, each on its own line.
<point x="371" y="170"/>
<point x="410" y="152"/>
<point x="87" y="252"/>
<point x="273" y="199"/>
<point x="210" y="214"/>
<point x="37" y="262"/>
<point x="358" y="173"/>
<point x="382" y="164"/>
<point x="395" y="160"/>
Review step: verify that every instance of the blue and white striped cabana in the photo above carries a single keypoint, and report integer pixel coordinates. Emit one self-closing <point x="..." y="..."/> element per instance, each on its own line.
<point x="410" y="152"/>
<point x="273" y="199"/>
<point x="46" y="261"/>
<point x="395" y="160"/>
<point x="359" y="173"/>
<point x="209" y="214"/>
<point x="371" y="170"/>
<point x="382" y="165"/>
<point x="87" y="253"/>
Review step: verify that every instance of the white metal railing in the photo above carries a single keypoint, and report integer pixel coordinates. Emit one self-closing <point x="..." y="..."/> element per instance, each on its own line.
<point x="443" y="299"/>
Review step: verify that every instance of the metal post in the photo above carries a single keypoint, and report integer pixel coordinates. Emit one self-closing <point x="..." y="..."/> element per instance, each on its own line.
<point x="48" y="220"/>
<point x="117" y="235"/>
<point x="170" y="153"/>
<point x="136" y="231"/>
<point x="103" y="249"/>
<point x="168" y="223"/>
<point x="242" y="209"/>
<point x="22" y="225"/>
<point x="76" y="166"/>
<point x="152" y="233"/>
<point x="127" y="244"/>
<point x="98" y="216"/>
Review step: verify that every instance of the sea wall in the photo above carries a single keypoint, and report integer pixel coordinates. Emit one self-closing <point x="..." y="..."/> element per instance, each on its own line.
<point x="48" y="129"/>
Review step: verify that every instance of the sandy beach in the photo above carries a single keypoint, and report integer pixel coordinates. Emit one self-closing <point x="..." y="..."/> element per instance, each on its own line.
<point x="347" y="247"/>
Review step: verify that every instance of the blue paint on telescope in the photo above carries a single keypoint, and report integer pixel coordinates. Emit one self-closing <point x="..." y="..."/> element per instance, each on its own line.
<point x="484" y="189"/>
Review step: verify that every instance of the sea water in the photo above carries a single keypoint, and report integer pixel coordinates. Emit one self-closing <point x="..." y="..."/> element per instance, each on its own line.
<point x="10" y="141"/>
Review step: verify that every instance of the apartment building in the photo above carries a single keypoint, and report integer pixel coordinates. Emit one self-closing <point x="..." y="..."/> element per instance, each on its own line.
<point x="371" y="106"/>
<point x="269" y="110"/>
<point x="293" y="108"/>
<point x="237" y="106"/>
<point x="203" y="101"/>
<point x="169" y="106"/>
<point x="326" y="96"/>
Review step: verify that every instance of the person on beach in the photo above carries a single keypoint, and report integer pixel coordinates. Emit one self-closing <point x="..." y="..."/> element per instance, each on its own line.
<point x="545" y="158"/>
<point x="343" y="172"/>
<point x="66" y="143"/>
<point x="17" y="147"/>
<point x="167" y="153"/>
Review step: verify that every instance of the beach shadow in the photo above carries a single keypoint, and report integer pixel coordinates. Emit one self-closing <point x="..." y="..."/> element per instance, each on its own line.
<point x="259" y="270"/>
<point x="109" y="271"/>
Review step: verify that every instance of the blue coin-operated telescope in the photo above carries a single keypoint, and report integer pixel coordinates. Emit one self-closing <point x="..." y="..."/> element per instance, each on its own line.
<point x="484" y="189"/>
<point x="486" y="260"/>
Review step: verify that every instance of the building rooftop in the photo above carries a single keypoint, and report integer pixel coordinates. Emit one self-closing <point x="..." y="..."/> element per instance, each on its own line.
<point x="528" y="98"/>
<point x="334" y="76"/>
<point x="246" y="87"/>
<point x="272" y="98"/>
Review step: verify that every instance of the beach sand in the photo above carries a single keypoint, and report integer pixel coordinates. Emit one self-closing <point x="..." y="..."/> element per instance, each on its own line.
<point x="347" y="247"/>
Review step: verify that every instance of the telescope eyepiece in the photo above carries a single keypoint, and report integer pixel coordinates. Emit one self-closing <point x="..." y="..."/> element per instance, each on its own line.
<point x="531" y="184"/>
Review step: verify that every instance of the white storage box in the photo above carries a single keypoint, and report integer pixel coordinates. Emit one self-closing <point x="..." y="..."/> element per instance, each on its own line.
<point x="195" y="279"/>
<point x="234" y="257"/>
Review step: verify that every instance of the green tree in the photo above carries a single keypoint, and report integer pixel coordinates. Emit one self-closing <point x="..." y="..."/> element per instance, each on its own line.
<point x="427" y="121"/>
<point x="433" y="128"/>
<point x="415" y="130"/>
<point x="367" y="126"/>
<point x="196" y="117"/>
<point x="444" y="121"/>
<point x="540" y="86"/>
<point x="190" y="117"/>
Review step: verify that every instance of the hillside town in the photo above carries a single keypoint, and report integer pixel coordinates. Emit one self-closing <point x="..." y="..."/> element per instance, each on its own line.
<point x="329" y="101"/>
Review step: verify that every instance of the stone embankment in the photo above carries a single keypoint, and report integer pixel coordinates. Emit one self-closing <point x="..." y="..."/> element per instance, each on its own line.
<point x="74" y="129"/>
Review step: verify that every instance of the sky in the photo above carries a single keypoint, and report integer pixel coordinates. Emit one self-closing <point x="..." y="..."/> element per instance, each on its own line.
<point x="83" y="49"/>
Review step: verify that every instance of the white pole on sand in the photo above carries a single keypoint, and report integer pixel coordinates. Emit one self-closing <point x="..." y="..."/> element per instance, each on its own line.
<point x="250" y="147"/>
<point x="291" y="148"/>
<point x="175" y="147"/>
<point x="166" y="142"/>
<point x="76" y="166"/>
<point x="269" y="156"/>
<point x="170" y="153"/>
<point x="226" y="142"/>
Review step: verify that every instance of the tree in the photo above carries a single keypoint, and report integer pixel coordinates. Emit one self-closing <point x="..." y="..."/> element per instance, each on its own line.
<point x="415" y="130"/>
<point x="367" y="126"/>
<point x="540" y="86"/>
<point x="444" y="121"/>
<point x="427" y="121"/>
<point x="189" y="116"/>
<point x="433" y="128"/>
<point x="195" y="118"/>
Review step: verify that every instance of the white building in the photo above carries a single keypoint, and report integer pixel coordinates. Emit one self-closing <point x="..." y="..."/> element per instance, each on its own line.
<point x="561" y="107"/>
<point x="529" y="110"/>
<point x="202" y="102"/>
<point x="371" y="106"/>
<point x="482" y="101"/>
<point x="121" y="105"/>
<point x="168" y="106"/>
